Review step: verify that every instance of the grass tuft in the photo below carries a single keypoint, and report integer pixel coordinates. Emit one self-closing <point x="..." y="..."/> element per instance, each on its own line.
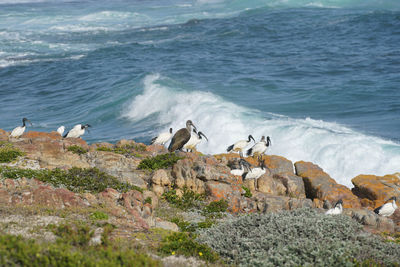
<point x="163" y="161"/>
<point x="126" y="150"/>
<point x="188" y="200"/>
<point x="77" y="150"/>
<point x="8" y="153"/>
<point x="247" y="192"/>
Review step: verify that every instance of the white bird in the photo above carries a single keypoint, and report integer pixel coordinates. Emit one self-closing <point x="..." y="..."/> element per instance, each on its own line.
<point x="162" y="138"/>
<point x="387" y="209"/>
<point x="240" y="145"/>
<point x="260" y="147"/>
<point x="77" y="131"/>
<point x="338" y="209"/>
<point x="256" y="172"/>
<point x="244" y="167"/>
<point x="61" y="130"/>
<point x="18" y="131"/>
<point x="194" y="140"/>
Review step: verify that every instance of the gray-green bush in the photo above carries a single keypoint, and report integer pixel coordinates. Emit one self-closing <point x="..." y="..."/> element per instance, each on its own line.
<point x="297" y="238"/>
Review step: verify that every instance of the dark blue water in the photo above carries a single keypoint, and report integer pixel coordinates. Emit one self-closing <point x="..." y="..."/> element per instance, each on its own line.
<point x="321" y="78"/>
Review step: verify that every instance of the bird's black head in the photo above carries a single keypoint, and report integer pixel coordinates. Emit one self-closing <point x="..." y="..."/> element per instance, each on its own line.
<point x="339" y="202"/>
<point x="201" y="134"/>
<point x="24" y="120"/>
<point x="251" y="137"/>
<point x="269" y="141"/>
<point x="85" y="126"/>
<point x="170" y="130"/>
<point x="393" y="198"/>
<point x="245" y="164"/>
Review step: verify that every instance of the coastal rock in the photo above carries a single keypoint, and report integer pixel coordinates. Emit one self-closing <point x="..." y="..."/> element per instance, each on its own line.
<point x="320" y="185"/>
<point x="294" y="184"/>
<point x="3" y="135"/>
<point x="268" y="184"/>
<point x="376" y="189"/>
<point x="370" y="219"/>
<point x="268" y="203"/>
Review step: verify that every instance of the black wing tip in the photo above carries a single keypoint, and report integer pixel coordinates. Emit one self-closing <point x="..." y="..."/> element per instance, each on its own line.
<point x="377" y="210"/>
<point x="229" y="148"/>
<point x="249" y="152"/>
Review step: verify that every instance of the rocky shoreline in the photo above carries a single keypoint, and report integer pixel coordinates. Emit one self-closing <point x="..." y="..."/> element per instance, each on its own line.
<point x="286" y="186"/>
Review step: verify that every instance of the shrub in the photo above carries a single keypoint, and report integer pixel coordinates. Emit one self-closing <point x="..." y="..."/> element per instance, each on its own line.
<point x="126" y="150"/>
<point x="99" y="215"/>
<point x="16" y="251"/>
<point x="77" y="149"/>
<point x="297" y="238"/>
<point x="184" y="244"/>
<point x="148" y="200"/>
<point x="8" y="153"/>
<point x="75" y="179"/>
<point x="216" y="206"/>
<point x="76" y="234"/>
<point x="247" y="192"/>
<point x="188" y="200"/>
<point x="163" y="161"/>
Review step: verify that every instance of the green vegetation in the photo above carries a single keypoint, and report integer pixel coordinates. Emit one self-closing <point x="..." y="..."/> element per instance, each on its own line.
<point x="77" y="234"/>
<point x="68" y="251"/>
<point x="185" y="244"/>
<point x="77" y="149"/>
<point x="148" y="200"/>
<point x="163" y="161"/>
<point x="302" y="237"/>
<point x="99" y="215"/>
<point x="247" y="192"/>
<point x="8" y="153"/>
<point x="185" y="226"/>
<point x="188" y="200"/>
<point x="75" y="179"/>
<point x="216" y="206"/>
<point x="126" y="150"/>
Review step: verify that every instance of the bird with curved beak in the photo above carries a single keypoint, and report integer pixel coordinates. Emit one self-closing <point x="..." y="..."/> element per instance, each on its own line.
<point x="240" y="145"/>
<point x="77" y="131"/>
<point x="388" y="208"/>
<point x="338" y="209"/>
<point x="162" y="138"/>
<point x="194" y="140"/>
<point x="181" y="137"/>
<point x="18" y="131"/>
<point x="244" y="167"/>
<point x="257" y="172"/>
<point x="260" y="147"/>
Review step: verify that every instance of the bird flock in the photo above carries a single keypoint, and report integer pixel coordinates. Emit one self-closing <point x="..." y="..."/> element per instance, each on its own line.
<point x="188" y="138"/>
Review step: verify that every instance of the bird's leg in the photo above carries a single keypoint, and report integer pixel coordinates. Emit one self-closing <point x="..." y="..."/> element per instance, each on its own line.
<point x="240" y="154"/>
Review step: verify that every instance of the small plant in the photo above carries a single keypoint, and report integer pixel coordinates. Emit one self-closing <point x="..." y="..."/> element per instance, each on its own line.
<point x="148" y="200"/>
<point x="77" y="234"/>
<point x="184" y="244"/>
<point x="104" y="148"/>
<point x="77" y="149"/>
<point x="216" y="206"/>
<point x="75" y="179"/>
<point x="188" y="200"/>
<point x="98" y="215"/>
<point x="126" y="150"/>
<point x="163" y="161"/>
<point x="8" y="153"/>
<point x="247" y="192"/>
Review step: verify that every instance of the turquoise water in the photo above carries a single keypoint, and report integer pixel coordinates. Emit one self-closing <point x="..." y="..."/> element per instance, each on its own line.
<point x="321" y="78"/>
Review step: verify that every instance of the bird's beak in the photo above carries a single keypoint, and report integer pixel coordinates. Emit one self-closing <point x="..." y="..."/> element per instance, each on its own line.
<point x="203" y="135"/>
<point x="252" y="138"/>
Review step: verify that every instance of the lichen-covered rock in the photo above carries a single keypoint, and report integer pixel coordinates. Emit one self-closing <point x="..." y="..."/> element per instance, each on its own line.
<point x="377" y="189"/>
<point x="371" y="219"/>
<point x="268" y="184"/>
<point x="294" y="184"/>
<point x="3" y="135"/>
<point x="268" y="203"/>
<point x="231" y="193"/>
<point x="320" y="185"/>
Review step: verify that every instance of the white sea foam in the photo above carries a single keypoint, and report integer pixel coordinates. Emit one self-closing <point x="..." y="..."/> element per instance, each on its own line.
<point x="340" y="151"/>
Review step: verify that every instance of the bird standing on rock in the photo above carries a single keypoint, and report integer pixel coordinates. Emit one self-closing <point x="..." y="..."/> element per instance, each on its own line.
<point x="240" y="145"/>
<point x="181" y="137"/>
<point x="194" y="140"/>
<point x="256" y="172"/>
<point x="260" y="147"/>
<point x="18" y="131"/>
<point x="244" y="167"/>
<point x="61" y="130"/>
<point x="77" y="131"/>
<point x="387" y="209"/>
<point x="338" y="209"/>
<point x="162" y="138"/>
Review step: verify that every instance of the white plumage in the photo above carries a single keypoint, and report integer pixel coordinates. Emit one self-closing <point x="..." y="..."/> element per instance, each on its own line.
<point x="194" y="140"/>
<point x="256" y="172"/>
<point x="240" y="145"/>
<point x="244" y="166"/>
<point x="338" y="209"/>
<point x="61" y="130"/>
<point x="77" y="131"/>
<point x="387" y="209"/>
<point x="18" y="131"/>
<point x="260" y="147"/>
<point x="162" y="138"/>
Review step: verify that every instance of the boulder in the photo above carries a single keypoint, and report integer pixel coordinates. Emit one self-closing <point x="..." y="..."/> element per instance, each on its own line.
<point x="3" y="135"/>
<point x="294" y="184"/>
<point x="371" y="219"/>
<point x="320" y="185"/>
<point x="268" y="203"/>
<point x="376" y="189"/>
<point x="231" y="193"/>
<point x="270" y="185"/>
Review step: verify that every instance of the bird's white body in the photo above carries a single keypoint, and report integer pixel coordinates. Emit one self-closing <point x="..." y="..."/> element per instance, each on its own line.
<point x="18" y="131"/>
<point x="255" y="173"/>
<point x="61" y="130"/>
<point x="162" y="138"/>
<point x="259" y="148"/>
<point x="338" y="209"/>
<point x="76" y="132"/>
<point x="238" y="172"/>
<point x="387" y="209"/>
<point x="240" y="145"/>
<point x="193" y="142"/>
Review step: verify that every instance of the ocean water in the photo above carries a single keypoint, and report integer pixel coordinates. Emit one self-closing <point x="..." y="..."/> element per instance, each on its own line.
<point x="320" y="77"/>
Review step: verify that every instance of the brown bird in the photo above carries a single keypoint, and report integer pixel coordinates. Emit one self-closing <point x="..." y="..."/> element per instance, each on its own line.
<point x="181" y="137"/>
